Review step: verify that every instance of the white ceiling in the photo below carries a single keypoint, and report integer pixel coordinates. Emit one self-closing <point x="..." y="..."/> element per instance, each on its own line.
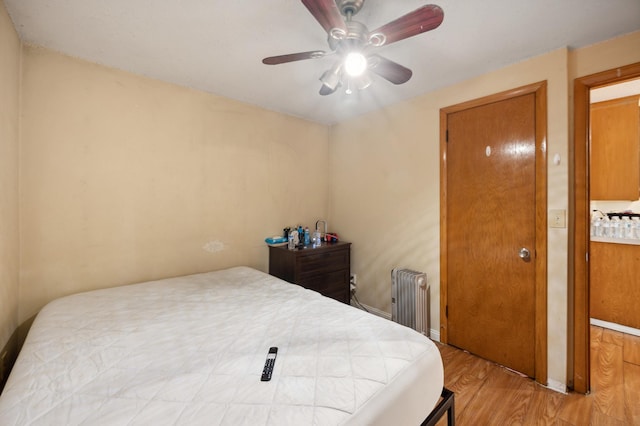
<point x="217" y="46"/>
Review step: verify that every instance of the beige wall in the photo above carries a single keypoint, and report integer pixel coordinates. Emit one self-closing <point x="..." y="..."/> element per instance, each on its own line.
<point x="385" y="192"/>
<point x="9" y="136"/>
<point x="604" y="56"/>
<point x="127" y="179"/>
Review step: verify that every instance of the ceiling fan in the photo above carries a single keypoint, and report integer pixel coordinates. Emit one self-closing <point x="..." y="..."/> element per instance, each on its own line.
<point x="354" y="44"/>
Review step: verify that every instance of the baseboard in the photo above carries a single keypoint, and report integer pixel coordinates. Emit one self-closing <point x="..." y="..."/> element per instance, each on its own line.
<point x="556" y="386"/>
<point x="376" y="311"/>
<point x="434" y="334"/>
<point x="616" y="327"/>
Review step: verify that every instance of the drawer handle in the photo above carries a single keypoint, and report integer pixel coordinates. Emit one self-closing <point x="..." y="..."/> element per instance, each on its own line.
<point x="319" y="256"/>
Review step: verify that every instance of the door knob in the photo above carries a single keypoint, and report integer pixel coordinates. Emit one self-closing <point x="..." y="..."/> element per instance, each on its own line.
<point x="524" y="254"/>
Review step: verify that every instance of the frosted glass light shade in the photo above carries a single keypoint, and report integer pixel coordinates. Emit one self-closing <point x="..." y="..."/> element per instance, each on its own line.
<point x="355" y="64"/>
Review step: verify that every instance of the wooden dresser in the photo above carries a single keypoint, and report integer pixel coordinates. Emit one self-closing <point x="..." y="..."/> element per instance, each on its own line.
<point x="325" y="269"/>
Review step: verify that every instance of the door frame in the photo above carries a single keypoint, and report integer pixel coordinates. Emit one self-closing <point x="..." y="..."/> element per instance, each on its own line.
<point x="581" y="216"/>
<point x="540" y="258"/>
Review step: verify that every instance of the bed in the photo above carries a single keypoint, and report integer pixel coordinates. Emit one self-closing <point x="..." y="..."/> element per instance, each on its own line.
<point x="190" y="350"/>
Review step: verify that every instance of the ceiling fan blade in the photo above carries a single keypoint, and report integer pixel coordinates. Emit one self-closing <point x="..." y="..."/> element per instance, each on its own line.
<point x="417" y="22"/>
<point x="389" y="70"/>
<point x="326" y="13"/>
<point x="275" y="60"/>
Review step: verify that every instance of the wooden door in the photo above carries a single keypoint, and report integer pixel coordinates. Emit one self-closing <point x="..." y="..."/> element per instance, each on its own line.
<point x="491" y="231"/>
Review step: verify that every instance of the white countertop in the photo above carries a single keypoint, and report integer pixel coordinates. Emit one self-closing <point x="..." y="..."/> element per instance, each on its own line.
<point x="615" y="240"/>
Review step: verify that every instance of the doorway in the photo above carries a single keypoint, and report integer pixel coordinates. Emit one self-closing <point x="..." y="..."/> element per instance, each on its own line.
<point x="581" y="217"/>
<point x="493" y="228"/>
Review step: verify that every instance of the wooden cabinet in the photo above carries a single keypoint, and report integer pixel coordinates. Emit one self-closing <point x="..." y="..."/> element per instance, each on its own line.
<point x="325" y="269"/>
<point x="615" y="149"/>
<point x="613" y="283"/>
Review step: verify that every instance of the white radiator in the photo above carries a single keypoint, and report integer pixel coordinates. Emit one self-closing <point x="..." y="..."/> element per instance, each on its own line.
<point x="410" y="299"/>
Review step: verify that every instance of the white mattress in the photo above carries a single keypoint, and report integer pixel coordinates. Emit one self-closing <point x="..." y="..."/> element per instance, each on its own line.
<point x="190" y="350"/>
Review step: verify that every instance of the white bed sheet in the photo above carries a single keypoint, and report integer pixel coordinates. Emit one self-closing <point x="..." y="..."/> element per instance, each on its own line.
<point x="190" y="350"/>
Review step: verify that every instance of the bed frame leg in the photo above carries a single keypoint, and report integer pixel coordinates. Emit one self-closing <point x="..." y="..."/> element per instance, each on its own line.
<point x="447" y="404"/>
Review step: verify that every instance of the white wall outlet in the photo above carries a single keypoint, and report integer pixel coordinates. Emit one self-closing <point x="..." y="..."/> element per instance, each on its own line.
<point x="354" y="279"/>
<point x="557" y="218"/>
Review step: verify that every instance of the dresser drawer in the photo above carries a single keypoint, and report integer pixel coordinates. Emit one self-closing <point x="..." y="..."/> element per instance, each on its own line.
<point x="325" y="283"/>
<point x="323" y="261"/>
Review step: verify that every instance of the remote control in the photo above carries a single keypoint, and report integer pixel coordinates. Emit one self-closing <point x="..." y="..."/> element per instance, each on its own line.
<point x="268" y="364"/>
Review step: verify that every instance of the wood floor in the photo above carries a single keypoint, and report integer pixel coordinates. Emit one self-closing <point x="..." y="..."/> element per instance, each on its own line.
<point x="487" y="394"/>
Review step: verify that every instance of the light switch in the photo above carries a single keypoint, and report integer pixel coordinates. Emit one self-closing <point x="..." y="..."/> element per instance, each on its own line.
<point x="557" y="219"/>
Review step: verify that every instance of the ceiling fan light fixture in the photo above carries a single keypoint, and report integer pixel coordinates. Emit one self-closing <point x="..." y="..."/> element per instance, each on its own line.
<point x="355" y="64"/>
<point x="349" y="38"/>
<point x="331" y="77"/>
